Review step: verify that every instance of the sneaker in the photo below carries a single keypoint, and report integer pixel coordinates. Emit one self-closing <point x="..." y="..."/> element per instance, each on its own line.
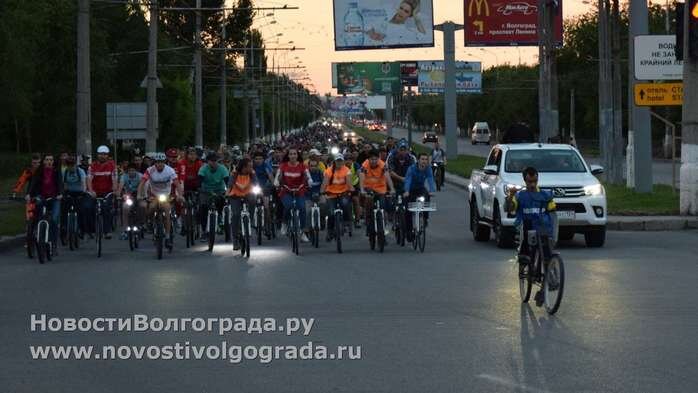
<point x="304" y="238"/>
<point x="236" y="245"/>
<point x="539" y="298"/>
<point x="284" y="230"/>
<point x="124" y="235"/>
<point x="204" y="238"/>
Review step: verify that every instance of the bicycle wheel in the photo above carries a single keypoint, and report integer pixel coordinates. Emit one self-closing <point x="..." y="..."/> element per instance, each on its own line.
<point x="40" y="247"/>
<point x="437" y="176"/>
<point x="525" y="278"/>
<point x="211" y="230"/>
<point x="259" y="213"/>
<point x="338" y="224"/>
<point x="400" y="234"/>
<point x="159" y="238"/>
<point x="30" y="240"/>
<point x="554" y="284"/>
<point x="131" y="240"/>
<point x="226" y="225"/>
<point x="188" y="229"/>
<point x="371" y="232"/>
<point x="422" y="235"/>
<point x="380" y="232"/>
<point x="245" y="246"/>
<point x="98" y="235"/>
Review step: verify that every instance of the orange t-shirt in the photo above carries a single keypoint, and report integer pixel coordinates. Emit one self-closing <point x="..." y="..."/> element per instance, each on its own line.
<point x="338" y="185"/>
<point x="241" y="187"/>
<point x="374" y="178"/>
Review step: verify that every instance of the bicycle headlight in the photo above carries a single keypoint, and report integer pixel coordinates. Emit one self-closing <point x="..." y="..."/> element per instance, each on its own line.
<point x="256" y="190"/>
<point x="594" y="189"/>
<point x="335" y="151"/>
<point x="162" y="198"/>
<point x="421" y="199"/>
<point x="129" y="202"/>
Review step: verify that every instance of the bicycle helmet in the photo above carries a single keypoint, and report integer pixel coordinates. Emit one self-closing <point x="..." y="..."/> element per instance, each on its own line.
<point x="103" y="150"/>
<point x="159" y="157"/>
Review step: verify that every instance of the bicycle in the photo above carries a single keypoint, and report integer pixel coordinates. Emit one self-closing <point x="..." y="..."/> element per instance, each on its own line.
<point x="133" y="228"/>
<point x="399" y="218"/>
<point x="548" y="274"/>
<point x="294" y="224"/>
<point x="191" y="228"/>
<point x="438" y="170"/>
<point x="274" y="222"/>
<point x="99" y="222"/>
<point x="41" y="230"/>
<point x="375" y="222"/>
<point x="419" y="228"/>
<point x="315" y="222"/>
<point x="339" y="226"/>
<point x="260" y="221"/>
<point x="245" y="232"/>
<point x="212" y="223"/>
<point x="158" y="219"/>
<point x="72" y="224"/>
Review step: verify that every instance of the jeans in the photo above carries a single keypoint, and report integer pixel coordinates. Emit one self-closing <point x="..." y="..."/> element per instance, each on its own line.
<point x="345" y="204"/>
<point x="287" y="201"/>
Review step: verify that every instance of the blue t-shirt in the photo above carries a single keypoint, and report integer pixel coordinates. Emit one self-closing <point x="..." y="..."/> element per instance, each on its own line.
<point x="262" y="172"/>
<point x="131" y="183"/>
<point x="73" y="178"/>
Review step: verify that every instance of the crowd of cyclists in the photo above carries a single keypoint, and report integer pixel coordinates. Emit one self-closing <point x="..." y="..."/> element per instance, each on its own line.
<point x="316" y="165"/>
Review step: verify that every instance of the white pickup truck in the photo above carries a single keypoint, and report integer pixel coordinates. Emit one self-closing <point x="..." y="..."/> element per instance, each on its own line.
<point x="578" y="194"/>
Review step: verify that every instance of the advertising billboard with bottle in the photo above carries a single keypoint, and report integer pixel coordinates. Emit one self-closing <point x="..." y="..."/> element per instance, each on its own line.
<point x="432" y="77"/>
<point x="374" y="78"/>
<point x="383" y="24"/>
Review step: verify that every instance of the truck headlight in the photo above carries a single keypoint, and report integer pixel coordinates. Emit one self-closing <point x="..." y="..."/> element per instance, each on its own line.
<point x="594" y="189"/>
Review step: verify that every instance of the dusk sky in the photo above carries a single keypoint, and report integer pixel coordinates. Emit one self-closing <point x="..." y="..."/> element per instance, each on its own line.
<point x="311" y="27"/>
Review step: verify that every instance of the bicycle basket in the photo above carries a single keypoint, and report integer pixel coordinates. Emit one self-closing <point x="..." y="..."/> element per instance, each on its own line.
<point x="422" y="206"/>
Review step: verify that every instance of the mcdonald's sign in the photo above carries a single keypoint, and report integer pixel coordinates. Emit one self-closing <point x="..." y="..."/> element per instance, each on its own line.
<point x="505" y="22"/>
<point x="481" y="8"/>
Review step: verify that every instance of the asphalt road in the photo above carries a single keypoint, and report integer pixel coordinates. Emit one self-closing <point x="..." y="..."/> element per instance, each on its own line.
<point x="661" y="169"/>
<point x="448" y="320"/>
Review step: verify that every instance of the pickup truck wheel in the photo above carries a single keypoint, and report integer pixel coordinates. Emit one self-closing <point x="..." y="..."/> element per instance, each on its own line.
<point x="595" y="237"/>
<point x="481" y="233"/>
<point x="503" y="237"/>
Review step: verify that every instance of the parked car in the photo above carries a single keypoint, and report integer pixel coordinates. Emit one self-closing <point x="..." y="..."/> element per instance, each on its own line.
<point x="580" y="197"/>
<point x="430" y="137"/>
<point x="480" y="133"/>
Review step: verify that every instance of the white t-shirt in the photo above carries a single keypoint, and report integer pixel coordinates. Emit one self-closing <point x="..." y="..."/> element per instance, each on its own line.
<point x="160" y="182"/>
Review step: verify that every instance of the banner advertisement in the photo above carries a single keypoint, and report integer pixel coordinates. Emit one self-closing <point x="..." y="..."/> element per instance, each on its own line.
<point x="409" y="73"/>
<point x="374" y="78"/>
<point x="348" y="105"/>
<point x="506" y="22"/>
<point x="432" y="77"/>
<point x="383" y="24"/>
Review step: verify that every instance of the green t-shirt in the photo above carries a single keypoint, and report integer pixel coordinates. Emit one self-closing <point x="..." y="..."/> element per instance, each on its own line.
<point x="213" y="181"/>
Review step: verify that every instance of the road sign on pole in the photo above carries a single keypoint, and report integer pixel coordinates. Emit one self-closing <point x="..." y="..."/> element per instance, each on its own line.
<point x="655" y="58"/>
<point x="659" y="94"/>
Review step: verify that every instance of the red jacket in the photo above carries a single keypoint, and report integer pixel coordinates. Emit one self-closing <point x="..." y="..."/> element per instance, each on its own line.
<point x="188" y="174"/>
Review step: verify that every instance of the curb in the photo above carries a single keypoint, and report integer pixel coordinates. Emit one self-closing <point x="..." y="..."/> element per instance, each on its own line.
<point x="10" y="242"/>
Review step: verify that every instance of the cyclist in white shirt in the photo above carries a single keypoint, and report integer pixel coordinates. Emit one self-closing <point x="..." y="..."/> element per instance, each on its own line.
<point x="162" y="180"/>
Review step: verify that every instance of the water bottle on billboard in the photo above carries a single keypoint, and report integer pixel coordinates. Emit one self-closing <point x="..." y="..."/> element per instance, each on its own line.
<point x="353" y="26"/>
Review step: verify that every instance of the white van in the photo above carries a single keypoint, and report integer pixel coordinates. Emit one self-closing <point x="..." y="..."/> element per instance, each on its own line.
<point x="480" y="133"/>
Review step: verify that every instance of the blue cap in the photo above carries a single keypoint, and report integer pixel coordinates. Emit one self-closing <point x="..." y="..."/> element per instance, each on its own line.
<point x="402" y="143"/>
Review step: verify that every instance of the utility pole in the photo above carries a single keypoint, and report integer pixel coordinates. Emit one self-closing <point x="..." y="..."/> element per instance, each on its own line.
<point x="689" y="134"/>
<point x="224" y="92"/>
<point x="84" y="93"/>
<point x="199" y="130"/>
<point x="151" y="134"/>
<point x="548" y="112"/>
<point x="573" y="123"/>
<point x="641" y="121"/>
<point x="450" y="100"/>
<point x="389" y="114"/>
<point x="668" y="140"/>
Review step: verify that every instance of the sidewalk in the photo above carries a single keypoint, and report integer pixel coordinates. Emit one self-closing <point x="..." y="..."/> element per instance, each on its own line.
<point x="618" y="223"/>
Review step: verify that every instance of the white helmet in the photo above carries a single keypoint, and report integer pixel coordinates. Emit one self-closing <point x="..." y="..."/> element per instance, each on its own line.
<point x="159" y="157"/>
<point x="103" y="150"/>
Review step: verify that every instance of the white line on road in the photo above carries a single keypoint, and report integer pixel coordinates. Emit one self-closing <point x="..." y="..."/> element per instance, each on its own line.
<point x="511" y="384"/>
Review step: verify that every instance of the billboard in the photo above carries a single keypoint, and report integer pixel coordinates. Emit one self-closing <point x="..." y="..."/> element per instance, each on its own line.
<point x="348" y="105"/>
<point x="373" y="78"/>
<point x="505" y="22"/>
<point x="382" y="24"/>
<point x="432" y="76"/>
<point x="409" y="73"/>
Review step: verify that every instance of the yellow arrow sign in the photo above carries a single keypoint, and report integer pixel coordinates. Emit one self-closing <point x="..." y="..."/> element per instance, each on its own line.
<point x="659" y="94"/>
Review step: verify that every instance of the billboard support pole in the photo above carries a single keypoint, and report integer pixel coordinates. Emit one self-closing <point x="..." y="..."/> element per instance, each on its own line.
<point x="389" y="114"/>
<point x="409" y="115"/>
<point x="450" y="103"/>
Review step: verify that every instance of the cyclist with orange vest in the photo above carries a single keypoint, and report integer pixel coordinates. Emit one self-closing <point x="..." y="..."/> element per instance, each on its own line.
<point x="239" y="190"/>
<point x="374" y="176"/>
<point x="337" y="185"/>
